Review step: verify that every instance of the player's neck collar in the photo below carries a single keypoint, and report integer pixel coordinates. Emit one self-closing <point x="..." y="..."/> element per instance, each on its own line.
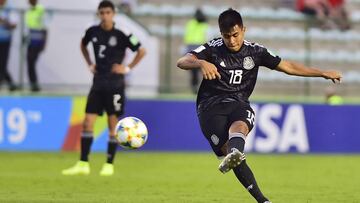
<point x="234" y="52"/>
<point x="103" y="28"/>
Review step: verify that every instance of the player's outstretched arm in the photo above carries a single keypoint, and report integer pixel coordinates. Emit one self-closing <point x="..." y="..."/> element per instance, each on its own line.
<point x="208" y="70"/>
<point x="298" y="69"/>
<point x="188" y="61"/>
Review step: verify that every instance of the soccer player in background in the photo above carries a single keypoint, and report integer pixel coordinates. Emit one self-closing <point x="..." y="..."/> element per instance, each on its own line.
<point x="6" y="28"/>
<point x="107" y="91"/>
<point x="230" y="66"/>
<point x="196" y="30"/>
<point x="35" y="22"/>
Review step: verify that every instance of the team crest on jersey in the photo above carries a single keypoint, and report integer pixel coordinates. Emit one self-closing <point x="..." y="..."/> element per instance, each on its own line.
<point x="94" y="40"/>
<point x="112" y="41"/>
<point x="214" y="139"/>
<point x="248" y="63"/>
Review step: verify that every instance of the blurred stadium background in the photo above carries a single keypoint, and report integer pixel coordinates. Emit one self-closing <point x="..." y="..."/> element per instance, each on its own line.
<point x="39" y="131"/>
<point x="273" y="23"/>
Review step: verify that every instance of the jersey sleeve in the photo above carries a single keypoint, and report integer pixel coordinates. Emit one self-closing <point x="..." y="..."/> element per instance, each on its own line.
<point x="202" y="52"/>
<point x="133" y="43"/>
<point x="87" y="37"/>
<point x="268" y="59"/>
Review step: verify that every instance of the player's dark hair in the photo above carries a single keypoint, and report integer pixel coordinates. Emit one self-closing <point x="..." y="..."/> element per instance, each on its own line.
<point x="229" y="19"/>
<point x="106" y="4"/>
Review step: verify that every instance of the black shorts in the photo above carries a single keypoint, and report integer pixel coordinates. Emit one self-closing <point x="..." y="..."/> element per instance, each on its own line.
<point x="216" y="121"/>
<point x="110" y="100"/>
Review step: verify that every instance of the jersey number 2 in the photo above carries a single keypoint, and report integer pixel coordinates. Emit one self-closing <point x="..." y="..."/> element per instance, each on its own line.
<point x="236" y="76"/>
<point x="101" y="51"/>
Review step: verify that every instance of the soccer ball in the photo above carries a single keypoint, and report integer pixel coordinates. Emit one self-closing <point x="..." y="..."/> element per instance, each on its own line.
<point x="131" y="133"/>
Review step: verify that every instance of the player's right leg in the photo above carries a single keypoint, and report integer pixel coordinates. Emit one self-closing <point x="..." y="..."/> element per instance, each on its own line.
<point x="94" y="107"/>
<point x="82" y="167"/>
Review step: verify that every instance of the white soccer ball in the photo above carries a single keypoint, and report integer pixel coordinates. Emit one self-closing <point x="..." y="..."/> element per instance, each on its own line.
<point x="131" y="133"/>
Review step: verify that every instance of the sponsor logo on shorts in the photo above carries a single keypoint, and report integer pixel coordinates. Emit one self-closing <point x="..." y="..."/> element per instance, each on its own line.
<point x="214" y="139"/>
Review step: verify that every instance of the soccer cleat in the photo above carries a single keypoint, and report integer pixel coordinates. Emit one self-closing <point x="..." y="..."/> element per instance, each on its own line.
<point x="231" y="160"/>
<point x="107" y="170"/>
<point x="80" y="168"/>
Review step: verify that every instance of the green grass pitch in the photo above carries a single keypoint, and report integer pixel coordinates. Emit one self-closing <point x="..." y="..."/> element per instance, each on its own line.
<point x="152" y="177"/>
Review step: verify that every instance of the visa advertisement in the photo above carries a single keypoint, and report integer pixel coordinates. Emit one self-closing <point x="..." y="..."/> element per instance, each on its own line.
<point x="55" y="124"/>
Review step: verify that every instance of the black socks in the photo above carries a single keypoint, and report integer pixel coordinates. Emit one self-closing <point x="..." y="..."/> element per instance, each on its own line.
<point x="242" y="171"/>
<point x="247" y="179"/>
<point x="111" y="150"/>
<point x="86" y="142"/>
<point x="236" y="140"/>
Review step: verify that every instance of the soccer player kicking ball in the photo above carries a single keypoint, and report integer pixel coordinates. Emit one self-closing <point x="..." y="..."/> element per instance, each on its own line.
<point x="107" y="91"/>
<point x="230" y="66"/>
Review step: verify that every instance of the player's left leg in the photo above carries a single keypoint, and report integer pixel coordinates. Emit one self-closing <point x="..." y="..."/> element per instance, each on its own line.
<point x="114" y="106"/>
<point x="108" y="167"/>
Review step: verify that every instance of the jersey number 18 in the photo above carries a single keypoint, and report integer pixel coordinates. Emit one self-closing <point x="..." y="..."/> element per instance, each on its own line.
<point x="236" y="76"/>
